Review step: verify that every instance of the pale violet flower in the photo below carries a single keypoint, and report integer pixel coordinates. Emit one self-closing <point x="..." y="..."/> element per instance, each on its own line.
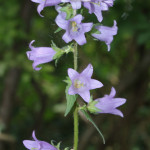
<point x="40" y="55"/>
<point x="106" y="34"/>
<point x="109" y="104"/>
<point x="97" y="6"/>
<point x="76" y="4"/>
<point x="37" y="145"/>
<point x="45" y="3"/>
<point x="82" y="82"/>
<point x="75" y="30"/>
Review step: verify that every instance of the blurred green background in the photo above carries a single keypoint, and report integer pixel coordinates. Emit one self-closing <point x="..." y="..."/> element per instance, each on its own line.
<point x="31" y="100"/>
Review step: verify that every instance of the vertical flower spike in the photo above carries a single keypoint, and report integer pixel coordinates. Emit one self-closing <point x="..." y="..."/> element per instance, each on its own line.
<point x="75" y="30"/>
<point x="108" y="103"/>
<point x="97" y="6"/>
<point x="106" y="34"/>
<point x="76" y="4"/>
<point x="37" y="145"/>
<point x="45" y="3"/>
<point x="40" y="55"/>
<point x="82" y="82"/>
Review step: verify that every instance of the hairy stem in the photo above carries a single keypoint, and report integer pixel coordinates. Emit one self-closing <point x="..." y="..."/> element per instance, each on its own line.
<point x="75" y="114"/>
<point x="75" y="56"/>
<point x="76" y="131"/>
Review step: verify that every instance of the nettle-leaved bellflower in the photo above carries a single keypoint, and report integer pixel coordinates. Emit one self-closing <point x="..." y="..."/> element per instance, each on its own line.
<point x="82" y="82"/>
<point x="75" y="30"/>
<point x="97" y="6"/>
<point x="45" y="3"/>
<point x="37" y="145"/>
<point x="108" y="103"/>
<point x="106" y="34"/>
<point x="40" y="55"/>
<point x="76" y="4"/>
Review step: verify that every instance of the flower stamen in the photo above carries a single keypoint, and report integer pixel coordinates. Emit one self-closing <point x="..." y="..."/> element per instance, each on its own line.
<point x="78" y="84"/>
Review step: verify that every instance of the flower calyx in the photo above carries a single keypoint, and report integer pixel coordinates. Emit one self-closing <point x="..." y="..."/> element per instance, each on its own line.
<point x="91" y="106"/>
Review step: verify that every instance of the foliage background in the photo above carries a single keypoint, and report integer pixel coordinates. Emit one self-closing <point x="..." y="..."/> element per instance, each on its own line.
<point x="32" y="100"/>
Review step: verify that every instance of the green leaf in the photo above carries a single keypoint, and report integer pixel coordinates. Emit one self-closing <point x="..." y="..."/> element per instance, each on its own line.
<point x="88" y="117"/>
<point x="70" y="100"/>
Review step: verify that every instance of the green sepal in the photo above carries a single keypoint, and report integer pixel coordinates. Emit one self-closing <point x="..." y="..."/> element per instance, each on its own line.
<point x="88" y="117"/>
<point x="68" y="10"/>
<point x="60" y="51"/>
<point x="57" y="146"/>
<point x="70" y="98"/>
<point x="67" y="80"/>
<point x="58" y="30"/>
<point x="94" y="30"/>
<point x="91" y="106"/>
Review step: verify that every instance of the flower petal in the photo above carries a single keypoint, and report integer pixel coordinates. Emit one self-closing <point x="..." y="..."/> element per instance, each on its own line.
<point x="116" y="112"/>
<point x="85" y="95"/>
<point x="77" y="19"/>
<point x="87" y="26"/>
<point x="95" y="84"/>
<point x="52" y="2"/>
<point x="66" y="37"/>
<point x="72" y="73"/>
<point x="47" y="146"/>
<point x="31" y="144"/>
<point x="71" y="90"/>
<point x="40" y="8"/>
<point x="76" y="4"/>
<point x="36" y="1"/>
<point x="61" y="22"/>
<point x="113" y="92"/>
<point x="88" y="71"/>
<point x="34" y="137"/>
<point x="65" y="1"/>
<point x="98" y="12"/>
<point x="118" y="102"/>
<point x="81" y="40"/>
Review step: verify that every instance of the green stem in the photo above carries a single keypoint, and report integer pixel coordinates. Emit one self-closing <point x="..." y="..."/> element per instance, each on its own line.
<point x="76" y="131"/>
<point x="75" y="56"/>
<point x="75" y="114"/>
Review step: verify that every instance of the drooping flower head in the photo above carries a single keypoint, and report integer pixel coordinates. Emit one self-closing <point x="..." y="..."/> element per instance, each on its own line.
<point x="37" y="145"/>
<point x="82" y="82"/>
<point x="76" y="4"/>
<point x="75" y="30"/>
<point x="106" y="34"/>
<point x="97" y="6"/>
<point x="45" y="3"/>
<point x="40" y="55"/>
<point x="108" y="103"/>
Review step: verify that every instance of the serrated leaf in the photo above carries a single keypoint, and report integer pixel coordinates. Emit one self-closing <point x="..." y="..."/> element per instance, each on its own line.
<point x="70" y="100"/>
<point x="88" y="117"/>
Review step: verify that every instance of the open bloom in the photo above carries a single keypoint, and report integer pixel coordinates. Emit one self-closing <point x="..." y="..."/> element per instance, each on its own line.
<point x="75" y="30"/>
<point x="82" y="82"/>
<point x="37" y="145"/>
<point x="108" y="103"/>
<point x="106" y="34"/>
<point x="97" y="6"/>
<point x="45" y="3"/>
<point x="76" y="4"/>
<point x="40" y="55"/>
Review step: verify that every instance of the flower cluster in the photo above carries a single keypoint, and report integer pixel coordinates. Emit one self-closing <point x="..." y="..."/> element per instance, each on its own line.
<point x="69" y="20"/>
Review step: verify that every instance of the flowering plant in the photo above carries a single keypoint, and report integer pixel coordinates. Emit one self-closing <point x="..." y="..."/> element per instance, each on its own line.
<point x="69" y="20"/>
